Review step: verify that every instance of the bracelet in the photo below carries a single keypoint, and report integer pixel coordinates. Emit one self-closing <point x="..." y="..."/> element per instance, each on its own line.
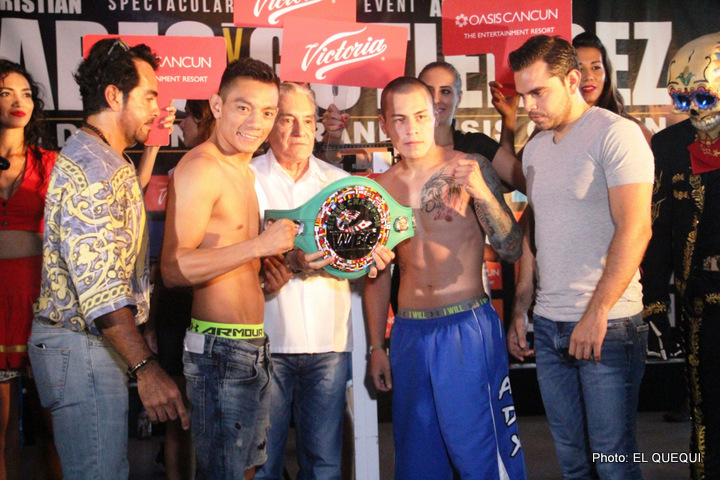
<point x="132" y="372"/>
<point x="375" y="347"/>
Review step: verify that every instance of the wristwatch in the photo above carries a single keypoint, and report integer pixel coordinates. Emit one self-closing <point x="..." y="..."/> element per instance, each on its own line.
<point x="347" y="221"/>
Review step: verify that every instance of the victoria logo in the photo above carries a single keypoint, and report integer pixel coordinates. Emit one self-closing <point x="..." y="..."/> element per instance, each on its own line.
<point x="278" y="8"/>
<point x="339" y="50"/>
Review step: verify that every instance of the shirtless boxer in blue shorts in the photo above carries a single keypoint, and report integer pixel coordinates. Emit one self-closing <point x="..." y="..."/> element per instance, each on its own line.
<point x="452" y="403"/>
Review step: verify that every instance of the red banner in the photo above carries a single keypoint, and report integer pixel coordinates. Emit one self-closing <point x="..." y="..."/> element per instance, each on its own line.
<point x="190" y="68"/>
<point x="342" y="53"/>
<point x="271" y="13"/>
<point x="156" y="193"/>
<point x="499" y="27"/>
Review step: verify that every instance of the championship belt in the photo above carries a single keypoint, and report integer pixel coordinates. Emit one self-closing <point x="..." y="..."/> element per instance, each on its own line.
<point x="347" y="220"/>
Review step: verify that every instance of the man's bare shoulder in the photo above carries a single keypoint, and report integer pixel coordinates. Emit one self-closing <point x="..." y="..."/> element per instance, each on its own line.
<point x="206" y="152"/>
<point x="453" y="156"/>
<point x="201" y="161"/>
<point x="198" y="175"/>
<point x="392" y="175"/>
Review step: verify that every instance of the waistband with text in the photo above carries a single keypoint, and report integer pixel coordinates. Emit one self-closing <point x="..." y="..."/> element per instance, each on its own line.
<point x="427" y="313"/>
<point x="236" y="331"/>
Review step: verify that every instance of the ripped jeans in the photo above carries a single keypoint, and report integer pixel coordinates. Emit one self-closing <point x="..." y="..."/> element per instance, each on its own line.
<point x="228" y="384"/>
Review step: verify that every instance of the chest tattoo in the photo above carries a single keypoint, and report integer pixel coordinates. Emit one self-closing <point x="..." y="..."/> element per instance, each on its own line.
<point x="441" y="197"/>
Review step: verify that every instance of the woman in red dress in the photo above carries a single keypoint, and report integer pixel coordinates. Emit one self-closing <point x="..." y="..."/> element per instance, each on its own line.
<point x="25" y="169"/>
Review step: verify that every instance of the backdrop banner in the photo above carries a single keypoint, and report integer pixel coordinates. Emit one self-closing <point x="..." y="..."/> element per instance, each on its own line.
<point x="641" y="37"/>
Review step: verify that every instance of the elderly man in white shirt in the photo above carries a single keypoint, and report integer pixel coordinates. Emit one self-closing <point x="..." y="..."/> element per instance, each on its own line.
<point x="306" y="309"/>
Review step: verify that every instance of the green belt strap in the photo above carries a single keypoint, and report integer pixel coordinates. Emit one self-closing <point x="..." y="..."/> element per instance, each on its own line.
<point x="228" y="330"/>
<point x="426" y="313"/>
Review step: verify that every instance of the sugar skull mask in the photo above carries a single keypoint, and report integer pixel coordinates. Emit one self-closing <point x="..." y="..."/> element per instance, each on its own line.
<point x="694" y="83"/>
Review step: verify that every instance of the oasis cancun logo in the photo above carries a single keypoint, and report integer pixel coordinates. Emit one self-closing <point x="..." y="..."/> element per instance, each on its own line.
<point x="507" y="18"/>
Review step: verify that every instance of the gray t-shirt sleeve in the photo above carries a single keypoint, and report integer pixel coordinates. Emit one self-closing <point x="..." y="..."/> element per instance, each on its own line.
<point x="626" y="155"/>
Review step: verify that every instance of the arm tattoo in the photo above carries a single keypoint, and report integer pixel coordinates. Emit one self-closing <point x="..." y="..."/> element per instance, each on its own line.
<point x="496" y="218"/>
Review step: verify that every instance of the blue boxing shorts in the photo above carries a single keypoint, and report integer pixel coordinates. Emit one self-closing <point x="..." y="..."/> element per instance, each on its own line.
<point x="452" y="403"/>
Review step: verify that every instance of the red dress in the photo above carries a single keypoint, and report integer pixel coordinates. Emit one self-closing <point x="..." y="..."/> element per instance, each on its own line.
<point x="20" y="277"/>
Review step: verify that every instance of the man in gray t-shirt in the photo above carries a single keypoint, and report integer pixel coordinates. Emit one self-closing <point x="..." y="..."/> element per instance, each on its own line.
<point x="589" y="181"/>
<point x="570" y="186"/>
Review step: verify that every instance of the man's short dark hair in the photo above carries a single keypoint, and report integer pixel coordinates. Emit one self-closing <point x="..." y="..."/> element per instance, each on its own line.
<point x="249" y="68"/>
<point x="402" y="85"/>
<point x="558" y="53"/>
<point x="110" y="62"/>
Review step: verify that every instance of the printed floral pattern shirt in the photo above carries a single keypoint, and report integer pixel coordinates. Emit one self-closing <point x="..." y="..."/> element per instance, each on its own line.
<point x="95" y="238"/>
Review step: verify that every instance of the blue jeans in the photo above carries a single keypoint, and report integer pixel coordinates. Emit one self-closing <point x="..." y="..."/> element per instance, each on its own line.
<point x="228" y="387"/>
<point x="592" y="406"/>
<point x="81" y="378"/>
<point x="311" y="387"/>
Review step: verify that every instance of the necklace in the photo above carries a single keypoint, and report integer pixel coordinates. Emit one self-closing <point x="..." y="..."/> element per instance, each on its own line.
<point x="96" y="131"/>
<point x="104" y="139"/>
<point x="14" y="184"/>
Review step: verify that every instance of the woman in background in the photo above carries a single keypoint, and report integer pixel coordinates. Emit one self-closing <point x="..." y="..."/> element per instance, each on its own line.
<point x="197" y="124"/>
<point x="596" y="85"/>
<point x="24" y="175"/>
